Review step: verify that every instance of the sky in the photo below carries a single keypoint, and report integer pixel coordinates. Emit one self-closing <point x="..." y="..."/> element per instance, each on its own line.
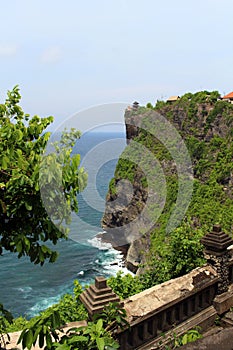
<point x="68" y="56"/>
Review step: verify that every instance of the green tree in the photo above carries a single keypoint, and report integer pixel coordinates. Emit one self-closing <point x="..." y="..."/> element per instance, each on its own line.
<point x="27" y="221"/>
<point x="125" y="285"/>
<point x="186" y="250"/>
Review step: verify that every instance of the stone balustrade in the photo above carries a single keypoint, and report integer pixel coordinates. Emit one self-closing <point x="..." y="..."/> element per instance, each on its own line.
<point x="176" y="305"/>
<point x="160" y="308"/>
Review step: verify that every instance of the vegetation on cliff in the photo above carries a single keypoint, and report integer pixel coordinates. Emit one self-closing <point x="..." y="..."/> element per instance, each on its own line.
<point x="205" y="123"/>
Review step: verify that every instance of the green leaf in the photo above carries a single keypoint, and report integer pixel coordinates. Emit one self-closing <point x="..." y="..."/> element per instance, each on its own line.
<point x="44" y="249"/>
<point x="28" y="206"/>
<point x="56" y="320"/>
<point x="99" y="325"/>
<point x="29" y="339"/>
<point x="63" y="347"/>
<point x="5" y="162"/>
<point x="53" y="257"/>
<point x="48" y="340"/>
<point x="100" y="343"/>
<point x="21" y="336"/>
<point x="41" y="339"/>
<point x="19" y="247"/>
<point x="37" y="332"/>
<point x="78" y="338"/>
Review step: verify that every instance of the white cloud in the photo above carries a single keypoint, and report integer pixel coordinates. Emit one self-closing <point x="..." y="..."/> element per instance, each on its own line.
<point x="51" y="55"/>
<point x="8" y="50"/>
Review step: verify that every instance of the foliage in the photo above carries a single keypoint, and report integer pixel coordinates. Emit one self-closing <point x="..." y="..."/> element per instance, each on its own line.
<point x="158" y="271"/>
<point x="217" y="320"/>
<point x="188" y="337"/>
<point x="124" y="285"/>
<point x="197" y="149"/>
<point x="17" y="324"/>
<point x="113" y="316"/>
<point x="43" y="328"/>
<point x="69" y="307"/>
<point x="186" y="250"/>
<point x="181" y="253"/>
<point x="5" y="319"/>
<point x="90" y="337"/>
<point x="26" y="172"/>
<point x="96" y="335"/>
<point x="159" y="104"/>
<point x="149" y="105"/>
<point x="218" y="109"/>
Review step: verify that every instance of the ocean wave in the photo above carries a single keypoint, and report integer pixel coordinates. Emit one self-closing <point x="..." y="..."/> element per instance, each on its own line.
<point x="26" y="289"/>
<point x="112" y="260"/>
<point x="116" y="266"/>
<point x="98" y="243"/>
<point x="81" y="273"/>
<point x="43" y="304"/>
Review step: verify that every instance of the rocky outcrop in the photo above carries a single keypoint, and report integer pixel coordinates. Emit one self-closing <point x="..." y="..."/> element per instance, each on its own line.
<point x="122" y="222"/>
<point x="137" y="253"/>
<point x="197" y="119"/>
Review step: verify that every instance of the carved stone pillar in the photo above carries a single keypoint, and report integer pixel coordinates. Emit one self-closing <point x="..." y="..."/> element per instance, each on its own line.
<point x="97" y="296"/>
<point x="216" y="253"/>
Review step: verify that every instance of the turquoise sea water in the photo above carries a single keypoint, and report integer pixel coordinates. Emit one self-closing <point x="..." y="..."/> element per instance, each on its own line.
<point x="27" y="289"/>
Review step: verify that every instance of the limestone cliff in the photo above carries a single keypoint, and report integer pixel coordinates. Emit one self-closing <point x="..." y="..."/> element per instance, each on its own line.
<point x="135" y="205"/>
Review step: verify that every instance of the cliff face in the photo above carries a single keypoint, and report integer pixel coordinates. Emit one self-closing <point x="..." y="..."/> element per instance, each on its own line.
<point x="169" y="146"/>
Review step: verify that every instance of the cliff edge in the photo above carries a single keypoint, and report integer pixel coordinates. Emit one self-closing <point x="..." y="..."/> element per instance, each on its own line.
<point x="177" y="164"/>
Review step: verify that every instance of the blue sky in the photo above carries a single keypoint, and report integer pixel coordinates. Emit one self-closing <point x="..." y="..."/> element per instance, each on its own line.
<point x="70" y="55"/>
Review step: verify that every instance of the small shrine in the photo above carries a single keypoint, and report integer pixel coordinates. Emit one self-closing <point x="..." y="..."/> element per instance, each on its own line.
<point x="135" y="105"/>
<point x="97" y="296"/>
<point x="216" y="242"/>
<point x="216" y="252"/>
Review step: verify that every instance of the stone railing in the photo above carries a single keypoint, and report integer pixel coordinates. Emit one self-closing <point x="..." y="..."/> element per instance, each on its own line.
<point x="159" y="309"/>
<point x="177" y="305"/>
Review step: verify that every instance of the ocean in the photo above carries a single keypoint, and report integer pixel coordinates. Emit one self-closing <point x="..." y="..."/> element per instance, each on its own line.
<point x="27" y="289"/>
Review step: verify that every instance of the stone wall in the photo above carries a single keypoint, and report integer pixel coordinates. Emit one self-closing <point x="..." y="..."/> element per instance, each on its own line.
<point x="160" y="308"/>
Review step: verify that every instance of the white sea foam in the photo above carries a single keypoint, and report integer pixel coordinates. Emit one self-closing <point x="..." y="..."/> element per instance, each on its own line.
<point x="113" y="259"/>
<point x="108" y="263"/>
<point x="98" y="243"/>
<point x="42" y="305"/>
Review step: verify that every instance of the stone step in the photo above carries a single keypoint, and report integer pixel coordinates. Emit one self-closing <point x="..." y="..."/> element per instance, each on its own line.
<point x="227" y="320"/>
